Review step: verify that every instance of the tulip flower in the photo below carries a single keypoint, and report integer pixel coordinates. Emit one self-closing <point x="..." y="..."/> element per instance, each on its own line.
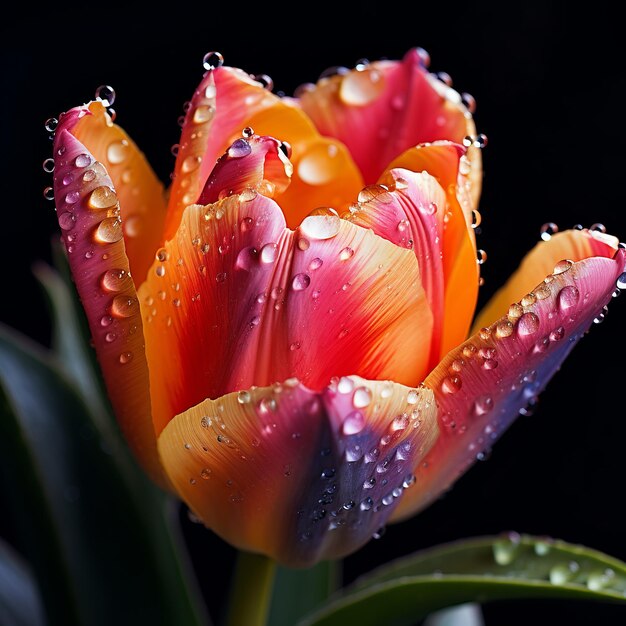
<point x="284" y="332"/>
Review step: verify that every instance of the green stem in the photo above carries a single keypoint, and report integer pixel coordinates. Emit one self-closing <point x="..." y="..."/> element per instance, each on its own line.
<point x="251" y="590"/>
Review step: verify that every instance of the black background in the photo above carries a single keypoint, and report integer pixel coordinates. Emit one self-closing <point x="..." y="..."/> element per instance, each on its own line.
<point x="550" y="89"/>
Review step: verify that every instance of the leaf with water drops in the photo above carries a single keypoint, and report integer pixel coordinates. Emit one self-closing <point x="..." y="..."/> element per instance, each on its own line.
<point x="485" y="569"/>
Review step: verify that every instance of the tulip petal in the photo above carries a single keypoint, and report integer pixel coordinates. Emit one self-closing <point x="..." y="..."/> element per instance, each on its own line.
<point x="385" y="108"/>
<point x="574" y="245"/>
<point x="89" y="216"/>
<point x="483" y="384"/>
<point x="256" y="163"/>
<point x="236" y="299"/>
<point x="444" y="243"/>
<point x="297" y="474"/>
<point x="228" y="100"/>
<point x="409" y="211"/>
<point x="140" y="192"/>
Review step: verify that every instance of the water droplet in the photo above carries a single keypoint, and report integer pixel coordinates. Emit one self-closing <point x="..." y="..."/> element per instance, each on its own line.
<point x="568" y="298"/>
<point x="244" y="397"/>
<point x="269" y="253"/>
<point x="361" y="88"/>
<point x="542" y="548"/>
<point x="160" y="271"/>
<point x="505" y="549"/>
<point x="480" y="141"/>
<point x="267" y="405"/>
<point x="597" y="227"/>
<point x="67" y="220"/>
<point x="557" y="334"/>
<point x="504" y="328"/>
<point x="375" y="192"/>
<point x="362" y="397"/>
<point x="345" y="385"/>
<point x="106" y="93"/>
<point x="412" y="397"/>
<point x="126" y="357"/>
<point x="481" y="256"/>
<point x="190" y="163"/>
<point x="601" y="316"/>
<point x="239" y="149"/>
<point x="400" y="422"/>
<point x="515" y="311"/>
<point x="527" y="324"/>
<point x="366" y="504"/>
<point x="117" y="151"/>
<point x="562" y="266"/>
<point x="321" y="226"/>
<point x="202" y="114"/>
<point x="469" y="101"/>
<point x="205" y="474"/>
<point x="482" y="405"/>
<point x="353" y="423"/>
<point x="388" y="499"/>
<point x="563" y="572"/>
<point x="123" y="306"/>
<point x="317" y="166"/>
<point x="102" y="198"/>
<point x="346" y="253"/>
<point x="451" y="384"/>
<point x="621" y="281"/>
<point x="300" y="282"/>
<point x="69" y="178"/>
<point x="72" y="197"/>
<point x="212" y="60"/>
<point x="115" y="280"/>
<point x="110" y="337"/>
<point x="469" y="351"/>
<point x="547" y="230"/>
<point x="220" y="277"/>
<point x="379" y="533"/>
<point x="598" y="580"/>
<point x="51" y="124"/>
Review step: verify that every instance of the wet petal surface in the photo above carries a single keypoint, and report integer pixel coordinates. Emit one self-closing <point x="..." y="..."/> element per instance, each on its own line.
<point x="295" y="474"/>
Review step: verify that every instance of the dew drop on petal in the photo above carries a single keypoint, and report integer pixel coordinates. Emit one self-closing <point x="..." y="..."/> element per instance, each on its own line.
<point x="362" y="397"/>
<point x="451" y="384"/>
<point x="562" y="266"/>
<point x="102" y="198"/>
<point x="353" y="423"/>
<point x="212" y="60"/>
<point x="109" y="230"/>
<point x="117" y="151"/>
<point x="269" y="253"/>
<point x="346" y="253"/>
<point x="67" y="220"/>
<point x="547" y="230"/>
<point x="244" y="397"/>
<point x="300" y="282"/>
<point x="321" y="226"/>
<point x="106" y="93"/>
<point x="345" y="385"/>
<point x="239" y="149"/>
<point x="123" y="306"/>
<point x="568" y="297"/>
<point x="528" y="324"/>
<point x="126" y="357"/>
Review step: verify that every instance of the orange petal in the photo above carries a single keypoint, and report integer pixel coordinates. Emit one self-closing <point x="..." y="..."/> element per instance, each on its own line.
<point x="574" y="245"/>
<point x="88" y="213"/>
<point x="236" y="300"/>
<point x="296" y="474"/>
<point x="140" y="193"/>
<point x="447" y="162"/>
<point x="381" y="110"/>
<point x="483" y="384"/>
<point x="228" y="100"/>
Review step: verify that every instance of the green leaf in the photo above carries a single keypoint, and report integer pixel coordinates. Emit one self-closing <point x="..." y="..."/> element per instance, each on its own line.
<point x="70" y="338"/>
<point x="298" y="592"/>
<point x="20" y="604"/>
<point x="98" y="541"/>
<point x="475" y="570"/>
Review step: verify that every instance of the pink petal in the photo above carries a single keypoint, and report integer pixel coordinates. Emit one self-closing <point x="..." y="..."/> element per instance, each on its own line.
<point x="296" y="474"/>
<point x="482" y="385"/>
<point x="384" y="109"/>
<point x="236" y="299"/>
<point x="256" y="163"/>
<point x="89" y="216"/>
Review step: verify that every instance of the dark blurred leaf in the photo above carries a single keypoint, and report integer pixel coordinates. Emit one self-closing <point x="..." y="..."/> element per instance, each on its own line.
<point x="98" y="542"/>
<point x="478" y="570"/>
<point x="298" y="592"/>
<point x="20" y="604"/>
